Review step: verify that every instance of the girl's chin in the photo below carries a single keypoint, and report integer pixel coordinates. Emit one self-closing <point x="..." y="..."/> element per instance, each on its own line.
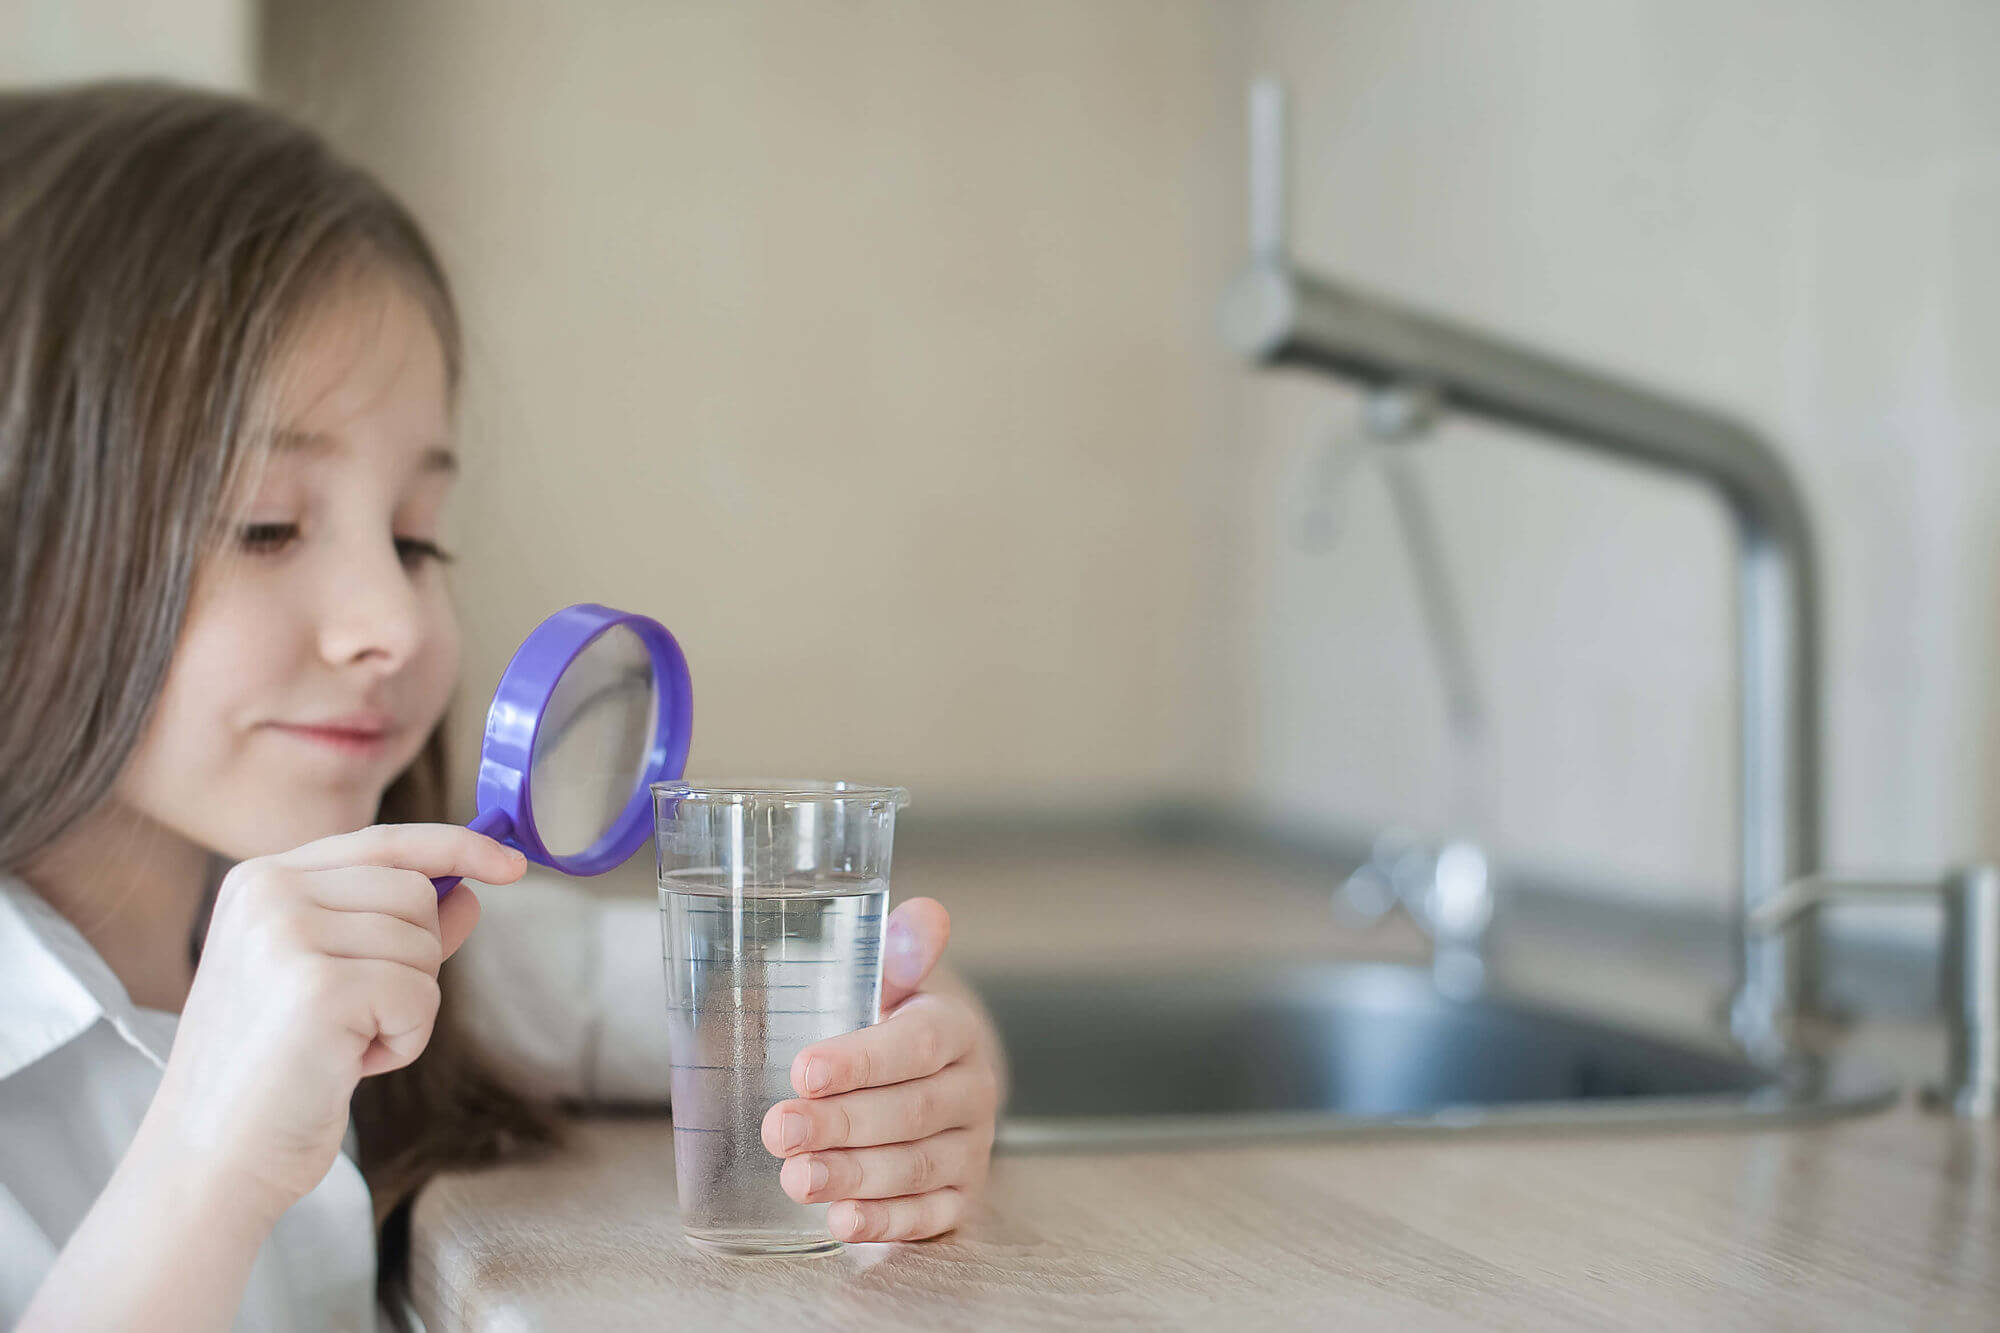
<point x="296" y="825"/>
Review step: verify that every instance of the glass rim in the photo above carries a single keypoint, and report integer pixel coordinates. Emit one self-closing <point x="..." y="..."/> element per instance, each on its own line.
<point x="789" y="790"/>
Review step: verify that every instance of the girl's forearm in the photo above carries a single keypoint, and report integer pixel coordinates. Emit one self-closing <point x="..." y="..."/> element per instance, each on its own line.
<point x="168" y="1245"/>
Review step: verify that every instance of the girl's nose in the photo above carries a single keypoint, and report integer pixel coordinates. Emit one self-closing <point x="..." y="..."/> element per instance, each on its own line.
<point x="373" y="613"/>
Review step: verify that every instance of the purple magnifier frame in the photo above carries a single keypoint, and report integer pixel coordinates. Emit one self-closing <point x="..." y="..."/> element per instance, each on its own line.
<point x="506" y="760"/>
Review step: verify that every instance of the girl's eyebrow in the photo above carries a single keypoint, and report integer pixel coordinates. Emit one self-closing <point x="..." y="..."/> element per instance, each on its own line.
<point x="436" y="457"/>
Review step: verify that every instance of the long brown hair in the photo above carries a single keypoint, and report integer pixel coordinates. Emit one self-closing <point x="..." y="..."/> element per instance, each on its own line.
<point x="158" y="246"/>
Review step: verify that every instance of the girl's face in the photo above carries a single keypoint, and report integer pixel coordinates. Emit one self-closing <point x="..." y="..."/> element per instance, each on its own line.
<point x="320" y="650"/>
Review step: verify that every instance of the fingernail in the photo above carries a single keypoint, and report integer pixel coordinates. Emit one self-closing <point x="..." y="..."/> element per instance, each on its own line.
<point x="791" y="1130"/>
<point x="816" y="1176"/>
<point x="903" y="960"/>
<point x="818" y="1074"/>
<point x="857" y="1221"/>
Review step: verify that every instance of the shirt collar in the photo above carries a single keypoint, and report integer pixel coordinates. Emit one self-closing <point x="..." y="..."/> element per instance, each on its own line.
<point x="54" y="985"/>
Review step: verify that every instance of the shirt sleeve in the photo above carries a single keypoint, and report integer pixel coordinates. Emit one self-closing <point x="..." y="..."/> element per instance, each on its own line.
<point x="26" y="1256"/>
<point x="564" y="991"/>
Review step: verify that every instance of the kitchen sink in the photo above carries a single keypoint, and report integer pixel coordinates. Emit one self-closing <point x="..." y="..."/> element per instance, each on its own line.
<point x="1340" y="1048"/>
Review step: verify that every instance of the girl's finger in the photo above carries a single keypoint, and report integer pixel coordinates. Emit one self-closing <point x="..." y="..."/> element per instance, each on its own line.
<point x="375" y="889"/>
<point x="376" y="935"/>
<point x="912" y="1218"/>
<point x="396" y="1006"/>
<point x="903" y="1113"/>
<point x="434" y="850"/>
<point x="923" y="1036"/>
<point x="952" y="1158"/>
<point x="912" y="943"/>
<point x="458" y="912"/>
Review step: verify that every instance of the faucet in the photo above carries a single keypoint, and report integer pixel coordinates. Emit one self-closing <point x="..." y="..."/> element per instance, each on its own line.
<point x="1276" y="313"/>
<point x="1968" y="972"/>
<point x="1443" y="888"/>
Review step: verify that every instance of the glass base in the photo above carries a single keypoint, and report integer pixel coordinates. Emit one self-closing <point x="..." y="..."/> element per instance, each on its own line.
<point x="751" y="1245"/>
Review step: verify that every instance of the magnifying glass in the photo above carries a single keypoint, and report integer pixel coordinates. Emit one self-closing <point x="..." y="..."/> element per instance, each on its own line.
<point x="593" y="709"/>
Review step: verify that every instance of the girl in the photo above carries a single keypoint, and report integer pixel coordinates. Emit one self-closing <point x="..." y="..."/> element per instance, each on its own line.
<point x="227" y="368"/>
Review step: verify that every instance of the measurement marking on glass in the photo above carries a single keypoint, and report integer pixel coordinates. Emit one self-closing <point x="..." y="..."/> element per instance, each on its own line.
<point x="768" y="911"/>
<point x="691" y="1009"/>
<point x="772" y="962"/>
<point x="730" y="1068"/>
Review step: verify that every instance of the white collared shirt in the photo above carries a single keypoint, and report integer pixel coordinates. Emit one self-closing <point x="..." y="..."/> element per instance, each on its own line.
<point x="79" y="1063"/>
<point x="565" y="992"/>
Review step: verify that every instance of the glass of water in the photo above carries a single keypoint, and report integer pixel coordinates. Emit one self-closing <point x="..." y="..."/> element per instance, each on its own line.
<point x="772" y="899"/>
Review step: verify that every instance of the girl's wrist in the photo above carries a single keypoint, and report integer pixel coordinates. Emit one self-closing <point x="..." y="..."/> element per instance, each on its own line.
<point x="225" y="1193"/>
<point x="169" y="1244"/>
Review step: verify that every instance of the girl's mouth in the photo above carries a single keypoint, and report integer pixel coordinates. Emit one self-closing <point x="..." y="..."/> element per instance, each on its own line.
<point x="347" y="736"/>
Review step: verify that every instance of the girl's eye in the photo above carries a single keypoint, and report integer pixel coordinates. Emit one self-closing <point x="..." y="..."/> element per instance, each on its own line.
<point x="266" y="538"/>
<point x="415" y="550"/>
<point x="263" y="538"/>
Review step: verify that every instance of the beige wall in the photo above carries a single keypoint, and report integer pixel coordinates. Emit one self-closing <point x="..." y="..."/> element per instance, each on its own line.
<point x="860" y="343"/>
<point x="201" y="41"/>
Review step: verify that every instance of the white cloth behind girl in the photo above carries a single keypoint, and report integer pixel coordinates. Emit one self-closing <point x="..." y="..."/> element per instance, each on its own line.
<point x="564" y="989"/>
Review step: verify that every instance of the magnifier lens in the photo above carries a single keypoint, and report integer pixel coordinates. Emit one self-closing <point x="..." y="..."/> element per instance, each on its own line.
<point x="594" y="707"/>
<point x="591" y="750"/>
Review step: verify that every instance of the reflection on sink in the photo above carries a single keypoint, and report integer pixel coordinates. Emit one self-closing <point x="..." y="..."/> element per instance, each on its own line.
<point x="1337" y="1048"/>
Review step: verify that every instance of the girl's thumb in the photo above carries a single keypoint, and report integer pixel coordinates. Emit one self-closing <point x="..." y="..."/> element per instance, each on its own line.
<point x="915" y="939"/>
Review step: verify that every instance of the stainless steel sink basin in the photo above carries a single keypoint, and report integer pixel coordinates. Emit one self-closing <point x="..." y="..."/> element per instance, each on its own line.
<point x="1344" y="1048"/>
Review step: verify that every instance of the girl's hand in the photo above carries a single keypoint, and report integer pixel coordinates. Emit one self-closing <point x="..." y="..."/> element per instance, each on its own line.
<point x="894" y="1123"/>
<point x="319" y="969"/>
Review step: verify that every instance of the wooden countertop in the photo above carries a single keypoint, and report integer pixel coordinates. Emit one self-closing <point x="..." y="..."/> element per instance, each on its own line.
<point x="1888" y="1221"/>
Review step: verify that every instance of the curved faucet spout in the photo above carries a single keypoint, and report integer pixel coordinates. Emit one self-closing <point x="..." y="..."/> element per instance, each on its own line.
<point x="1278" y="314"/>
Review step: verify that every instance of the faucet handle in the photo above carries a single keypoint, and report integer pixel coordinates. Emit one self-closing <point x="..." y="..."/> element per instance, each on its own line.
<point x="1807" y="892"/>
<point x="1968" y="967"/>
<point x="1445" y="890"/>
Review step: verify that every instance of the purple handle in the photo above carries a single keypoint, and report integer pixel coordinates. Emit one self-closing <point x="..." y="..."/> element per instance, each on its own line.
<point x="494" y="824"/>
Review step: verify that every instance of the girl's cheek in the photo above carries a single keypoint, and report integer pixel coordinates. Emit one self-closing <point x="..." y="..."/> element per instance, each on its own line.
<point x="443" y="648"/>
<point x="449" y="639"/>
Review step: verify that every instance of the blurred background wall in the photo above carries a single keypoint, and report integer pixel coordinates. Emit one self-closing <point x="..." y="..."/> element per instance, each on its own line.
<point x="871" y="346"/>
<point x="866" y="345"/>
<point x="210" y="42"/>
